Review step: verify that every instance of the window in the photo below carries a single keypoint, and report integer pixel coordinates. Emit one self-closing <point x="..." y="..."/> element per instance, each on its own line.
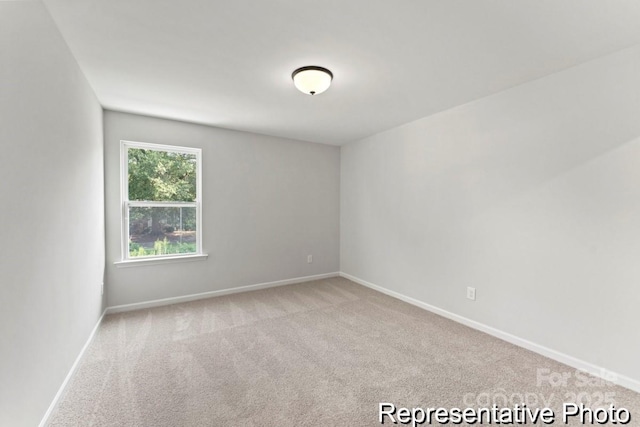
<point x="161" y="201"/>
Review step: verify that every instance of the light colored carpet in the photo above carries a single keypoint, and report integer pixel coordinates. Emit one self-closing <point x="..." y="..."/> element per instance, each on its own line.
<point x="321" y="353"/>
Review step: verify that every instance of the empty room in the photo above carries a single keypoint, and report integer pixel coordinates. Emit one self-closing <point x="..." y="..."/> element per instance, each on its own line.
<point x="338" y="213"/>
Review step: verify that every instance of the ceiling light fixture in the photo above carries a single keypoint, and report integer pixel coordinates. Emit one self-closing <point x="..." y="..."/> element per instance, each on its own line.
<point x="312" y="80"/>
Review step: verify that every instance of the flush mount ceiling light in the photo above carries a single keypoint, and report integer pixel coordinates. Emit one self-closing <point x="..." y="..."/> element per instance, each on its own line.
<point x="312" y="80"/>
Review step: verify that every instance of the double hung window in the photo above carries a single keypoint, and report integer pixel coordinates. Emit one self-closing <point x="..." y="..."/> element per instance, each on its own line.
<point x="161" y="201"/>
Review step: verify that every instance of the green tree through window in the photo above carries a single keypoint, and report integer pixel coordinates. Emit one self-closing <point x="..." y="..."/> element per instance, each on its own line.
<point x="161" y="200"/>
<point x="161" y="176"/>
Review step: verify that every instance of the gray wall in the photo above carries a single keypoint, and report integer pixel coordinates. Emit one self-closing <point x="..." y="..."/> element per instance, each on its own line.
<point x="267" y="203"/>
<point x="531" y="195"/>
<point x="52" y="216"/>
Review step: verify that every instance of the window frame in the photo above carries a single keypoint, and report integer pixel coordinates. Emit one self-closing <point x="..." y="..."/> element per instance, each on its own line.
<point x="126" y="204"/>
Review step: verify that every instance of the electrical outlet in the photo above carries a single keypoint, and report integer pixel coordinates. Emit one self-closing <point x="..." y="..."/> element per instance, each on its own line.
<point x="471" y="293"/>
<point x="309" y="259"/>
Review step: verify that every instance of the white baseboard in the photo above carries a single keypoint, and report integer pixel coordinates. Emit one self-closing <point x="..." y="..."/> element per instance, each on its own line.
<point x="204" y="295"/>
<point x="574" y="362"/>
<point x="72" y="371"/>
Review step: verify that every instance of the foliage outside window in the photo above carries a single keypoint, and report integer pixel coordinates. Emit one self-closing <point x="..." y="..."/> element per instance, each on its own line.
<point x="161" y="200"/>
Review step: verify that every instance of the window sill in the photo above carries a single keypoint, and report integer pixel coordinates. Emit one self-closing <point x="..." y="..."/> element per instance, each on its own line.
<point x="162" y="260"/>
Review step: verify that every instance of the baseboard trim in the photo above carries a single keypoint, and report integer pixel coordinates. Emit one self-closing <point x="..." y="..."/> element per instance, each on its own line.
<point x="219" y="293"/>
<point x="72" y="371"/>
<point x="574" y="362"/>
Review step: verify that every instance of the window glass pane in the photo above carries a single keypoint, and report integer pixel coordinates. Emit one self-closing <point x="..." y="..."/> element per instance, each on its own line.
<point x="161" y="176"/>
<point x="162" y="231"/>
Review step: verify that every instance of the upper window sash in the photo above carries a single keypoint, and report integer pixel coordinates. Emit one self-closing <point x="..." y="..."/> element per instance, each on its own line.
<point x="124" y="156"/>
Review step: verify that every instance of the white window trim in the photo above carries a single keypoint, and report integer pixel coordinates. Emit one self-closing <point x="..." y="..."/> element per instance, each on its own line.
<point x="132" y="262"/>
<point x="125" y="204"/>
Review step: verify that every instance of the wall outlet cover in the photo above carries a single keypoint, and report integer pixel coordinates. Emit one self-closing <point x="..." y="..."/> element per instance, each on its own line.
<point x="471" y="293"/>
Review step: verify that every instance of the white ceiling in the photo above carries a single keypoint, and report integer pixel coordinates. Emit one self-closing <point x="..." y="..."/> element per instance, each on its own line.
<point x="229" y="63"/>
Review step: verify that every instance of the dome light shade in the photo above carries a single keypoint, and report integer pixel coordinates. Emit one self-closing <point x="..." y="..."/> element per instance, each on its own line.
<point x="312" y="80"/>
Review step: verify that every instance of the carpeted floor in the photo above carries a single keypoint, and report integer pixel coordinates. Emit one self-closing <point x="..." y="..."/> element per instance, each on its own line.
<point x="322" y="353"/>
